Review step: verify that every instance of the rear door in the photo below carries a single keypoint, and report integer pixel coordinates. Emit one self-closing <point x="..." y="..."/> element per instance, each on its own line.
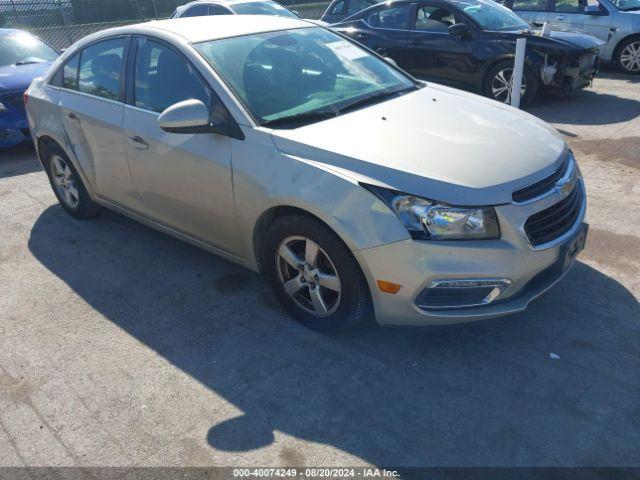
<point x="184" y="180"/>
<point x="388" y="31"/>
<point x="587" y="16"/>
<point x="437" y="54"/>
<point x="534" y="11"/>
<point x="91" y="101"/>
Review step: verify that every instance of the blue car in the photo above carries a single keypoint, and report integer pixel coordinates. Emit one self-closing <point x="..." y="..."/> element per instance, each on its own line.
<point x="23" y="57"/>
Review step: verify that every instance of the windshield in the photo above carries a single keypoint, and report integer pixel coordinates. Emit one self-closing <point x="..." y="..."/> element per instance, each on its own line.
<point x="262" y="8"/>
<point x="627" y="5"/>
<point x="304" y="74"/>
<point x="492" y="16"/>
<point x="23" y="49"/>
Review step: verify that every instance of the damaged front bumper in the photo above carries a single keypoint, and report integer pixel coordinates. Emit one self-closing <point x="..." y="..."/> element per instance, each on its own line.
<point x="572" y="73"/>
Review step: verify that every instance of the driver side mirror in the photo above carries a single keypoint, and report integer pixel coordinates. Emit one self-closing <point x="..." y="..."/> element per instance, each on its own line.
<point x="191" y="116"/>
<point x="461" y="30"/>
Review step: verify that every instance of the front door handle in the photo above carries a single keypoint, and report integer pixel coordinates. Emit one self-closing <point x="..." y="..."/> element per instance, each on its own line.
<point x="138" y="142"/>
<point x="72" y="116"/>
<point x="561" y="18"/>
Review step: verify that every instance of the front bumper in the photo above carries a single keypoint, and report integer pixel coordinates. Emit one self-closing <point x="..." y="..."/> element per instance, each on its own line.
<point x="14" y="127"/>
<point x="417" y="265"/>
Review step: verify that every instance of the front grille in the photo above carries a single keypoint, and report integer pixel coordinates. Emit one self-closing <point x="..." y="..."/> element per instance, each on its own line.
<point x="555" y="221"/>
<point x="543" y="186"/>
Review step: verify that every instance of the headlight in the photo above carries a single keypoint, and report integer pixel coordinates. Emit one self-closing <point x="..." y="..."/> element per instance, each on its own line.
<point x="429" y="220"/>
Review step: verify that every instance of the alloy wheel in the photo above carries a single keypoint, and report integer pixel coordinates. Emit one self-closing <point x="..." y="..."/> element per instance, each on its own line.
<point x="502" y="84"/>
<point x="308" y="276"/>
<point x="65" y="182"/>
<point x="630" y="57"/>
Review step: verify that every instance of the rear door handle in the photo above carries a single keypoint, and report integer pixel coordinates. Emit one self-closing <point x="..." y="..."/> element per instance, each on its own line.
<point x="138" y="142"/>
<point x="561" y="18"/>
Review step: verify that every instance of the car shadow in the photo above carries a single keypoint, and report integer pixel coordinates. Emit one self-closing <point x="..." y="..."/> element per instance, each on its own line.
<point x="18" y="160"/>
<point x="586" y="107"/>
<point x="556" y="385"/>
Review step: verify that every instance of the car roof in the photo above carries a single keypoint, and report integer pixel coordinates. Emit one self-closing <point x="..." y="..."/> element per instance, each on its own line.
<point x="200" y="29"/>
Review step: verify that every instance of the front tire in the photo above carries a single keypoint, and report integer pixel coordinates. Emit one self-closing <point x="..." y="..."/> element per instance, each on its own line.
<point x="67" y="184"/>
<point x="313" y="275"/>
<point x="628" y="56"/>
<point x="497" y="83"/>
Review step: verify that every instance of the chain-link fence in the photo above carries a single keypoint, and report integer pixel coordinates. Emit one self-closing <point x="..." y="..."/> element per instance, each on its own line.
<point x="62" y="22"/>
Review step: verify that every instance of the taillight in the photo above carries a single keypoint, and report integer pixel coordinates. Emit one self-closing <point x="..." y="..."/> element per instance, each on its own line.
<point x="25" y="98"/>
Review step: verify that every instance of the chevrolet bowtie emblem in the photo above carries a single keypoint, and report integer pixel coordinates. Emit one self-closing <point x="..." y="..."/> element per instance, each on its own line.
<point x="564" y="189"/>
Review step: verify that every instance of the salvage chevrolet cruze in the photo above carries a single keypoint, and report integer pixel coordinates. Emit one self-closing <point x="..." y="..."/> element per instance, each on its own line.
<point x="285" y="147"/>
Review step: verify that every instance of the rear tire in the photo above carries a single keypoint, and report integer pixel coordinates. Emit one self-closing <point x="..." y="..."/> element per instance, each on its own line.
<point x="67" y="184"/>
<point x="314" y="276"/>
<point x="627" y="56"/>
<point x="497" y="83"/>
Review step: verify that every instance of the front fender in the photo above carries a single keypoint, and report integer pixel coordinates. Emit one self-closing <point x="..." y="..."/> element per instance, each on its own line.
<point x="262" y="182"/>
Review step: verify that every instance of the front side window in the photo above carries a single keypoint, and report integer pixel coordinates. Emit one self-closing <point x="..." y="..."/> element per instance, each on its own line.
<point x="434" y="19"/>
<point x="301" y="74"/>
<point x="163" y="77"/>
<point x="491" y="15"/>
<point x="396" y="18"/>
<point x="70" y="73"/>
<point x="627" y="5"/>
<point x="263" y="8"/>
<point x="101" y="68"/>
<point x="530" y="5"/>
<point x="24" y="49"/>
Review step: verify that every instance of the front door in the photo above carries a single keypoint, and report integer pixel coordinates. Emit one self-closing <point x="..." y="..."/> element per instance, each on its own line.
<point x="388" y="31"/>
<point x="184" y="180"/>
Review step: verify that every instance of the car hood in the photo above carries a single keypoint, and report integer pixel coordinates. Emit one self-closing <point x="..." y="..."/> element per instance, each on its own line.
<point x="437" y="142"/>
<point x="567" y="38"/>
<point x="19" y="77"/>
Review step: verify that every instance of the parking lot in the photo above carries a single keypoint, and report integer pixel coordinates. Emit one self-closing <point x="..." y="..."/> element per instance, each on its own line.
<point x="122" y="346"/>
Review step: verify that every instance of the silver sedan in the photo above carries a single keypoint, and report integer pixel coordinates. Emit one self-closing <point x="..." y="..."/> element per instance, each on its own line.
<point x="359" y="191"/>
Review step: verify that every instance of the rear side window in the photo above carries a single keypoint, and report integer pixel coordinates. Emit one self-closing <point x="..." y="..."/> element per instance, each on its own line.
<point x="570" y="6"/>
<point x="197" y="11"/>
<point x="356" y="5"/>
<point x="163" y="77"/>
<point x="337" y="8"/>
<point x="101" y="68"/>
<point x="218" y="10"/>
<point x="70" y="73"/>
<point x="530" y="5"/>
<point x="395" y="18"/>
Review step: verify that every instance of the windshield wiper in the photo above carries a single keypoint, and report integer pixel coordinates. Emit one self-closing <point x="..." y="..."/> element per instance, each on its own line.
<point x="301" y="118"/>
<point x="374" y="98"/>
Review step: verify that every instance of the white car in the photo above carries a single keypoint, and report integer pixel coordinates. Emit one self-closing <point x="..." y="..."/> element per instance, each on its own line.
<point x="287" y="148"/>
<point x="617" y="22"/>
<point x="203" y="8"/>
